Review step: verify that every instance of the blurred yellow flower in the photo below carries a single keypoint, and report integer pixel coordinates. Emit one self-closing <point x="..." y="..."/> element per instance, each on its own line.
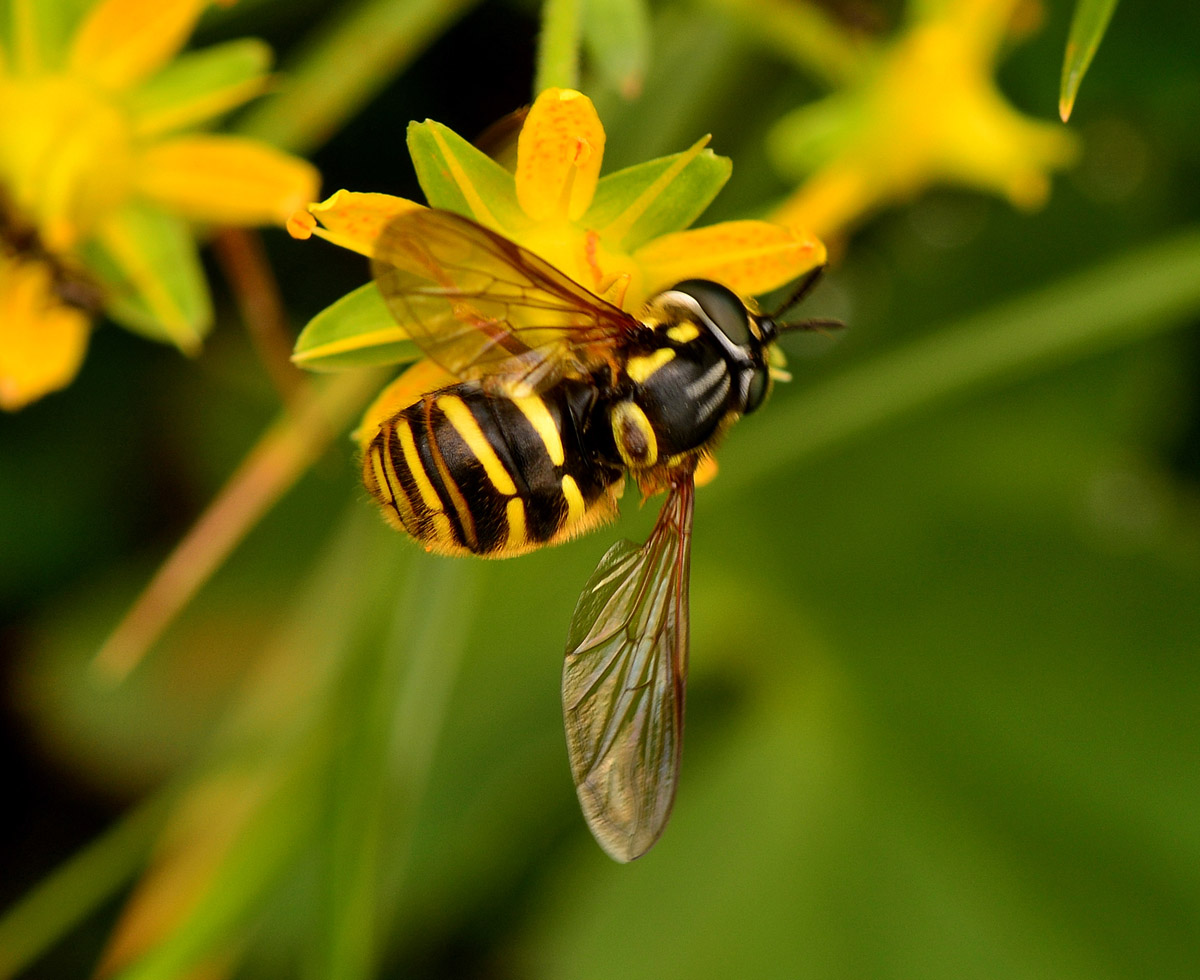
<point x="98" y="174"/>
<point x="928" y="111"/>
<point x="621" y="236"/>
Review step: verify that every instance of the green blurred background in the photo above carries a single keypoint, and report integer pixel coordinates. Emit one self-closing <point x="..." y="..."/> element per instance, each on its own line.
<point x="943" y="710"/>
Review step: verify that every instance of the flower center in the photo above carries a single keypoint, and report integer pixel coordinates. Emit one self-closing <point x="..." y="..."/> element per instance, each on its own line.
<point x="582" y="256"/>
<point x="65" y="155"/>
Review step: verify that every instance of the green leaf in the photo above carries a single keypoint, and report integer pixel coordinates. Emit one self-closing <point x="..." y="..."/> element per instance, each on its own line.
<point x="617" y="36"/>
<point x="356" y="331"/>
<point x="639" y="203"/>
<point x="282" y="760"/>
<point x="389" y="712"/>
<point x="149" y="264"/>
<point x="1087" y="28"/>
<point x="274" y="831"/>
<point x="78" y="887"/>
<point x="197" y="87"/>
<point x="459" y="177"/>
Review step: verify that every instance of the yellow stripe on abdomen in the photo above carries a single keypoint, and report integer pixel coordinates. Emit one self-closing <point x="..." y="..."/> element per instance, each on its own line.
<point x="575" y="505"/>
<point x="459" y="416"/>
<point x="433" y="503"/>
<point x="515" y="514"/>
<point x="535" y="410"/>
<point x="412" y="458"/>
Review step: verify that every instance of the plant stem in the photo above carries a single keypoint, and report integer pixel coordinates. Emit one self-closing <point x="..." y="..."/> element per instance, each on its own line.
<point x="804" y="34"/>
<point x="255" y="289"/>
<point x="558" y="45"/>
<point x="345" y="62"/>
<point x="281" y="456"/>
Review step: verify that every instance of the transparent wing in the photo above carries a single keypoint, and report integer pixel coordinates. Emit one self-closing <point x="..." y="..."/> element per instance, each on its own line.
<point x="623" y="682"/>
<point x="478" y="304"/>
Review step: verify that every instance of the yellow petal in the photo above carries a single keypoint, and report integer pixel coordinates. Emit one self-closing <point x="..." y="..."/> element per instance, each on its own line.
<point x="226" y="180"/>
<point x="350" y="219"/>
<point x="749" y="257"/>
<point x="42" y="340"/>
<point x="354" y="220"/>
<point x="64" y="155"/>
<point x="421" y="377"/>
<point x="122" y="42"/>
<point x="558" y="156"/>
<point x="831" y="200"/>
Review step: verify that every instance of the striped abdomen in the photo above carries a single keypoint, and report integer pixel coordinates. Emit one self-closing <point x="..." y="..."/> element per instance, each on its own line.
<point x="464" y="471"/>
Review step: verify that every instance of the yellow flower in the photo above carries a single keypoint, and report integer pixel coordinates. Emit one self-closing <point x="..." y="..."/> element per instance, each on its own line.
<point x="550" y="206"/>
<point x="927" y="112"/>
<point x="621" y="236"/>
<point x="98" y="173"/>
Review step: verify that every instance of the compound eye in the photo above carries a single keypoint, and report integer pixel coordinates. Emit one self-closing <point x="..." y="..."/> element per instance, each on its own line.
<point x="757" y="390"/>
<point x="722" y="306"/>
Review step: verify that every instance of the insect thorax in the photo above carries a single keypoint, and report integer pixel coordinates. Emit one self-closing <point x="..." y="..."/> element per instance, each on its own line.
<point x="676" y="393"/>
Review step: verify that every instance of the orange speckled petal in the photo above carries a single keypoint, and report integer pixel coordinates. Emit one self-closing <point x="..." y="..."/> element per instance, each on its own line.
<point x="123" y="42"/>
<point x="42" y="340"/>
<point x="226" y="180"/>
<point x="750" y="257"/>
<point x="351" y="219"/>
<point x="558" y="156"/>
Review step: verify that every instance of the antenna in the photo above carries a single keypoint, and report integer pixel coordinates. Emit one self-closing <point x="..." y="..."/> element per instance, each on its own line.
<point x="803" y="288"/>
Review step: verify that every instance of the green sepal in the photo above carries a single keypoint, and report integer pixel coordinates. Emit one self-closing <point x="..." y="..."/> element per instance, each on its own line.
<point x="200" y="86"/>
<point x="458" y="177"/>
<point x="34" y="34"/>
<point x="810" y="136"/>
<point x="356" y="331"/>
<point x="650" y="199"/>
<point x="617" y="36"/>
<point x="155" y="286"/>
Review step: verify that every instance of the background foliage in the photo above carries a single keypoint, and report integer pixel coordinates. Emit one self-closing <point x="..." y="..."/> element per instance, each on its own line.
<point x="943" y="709"/>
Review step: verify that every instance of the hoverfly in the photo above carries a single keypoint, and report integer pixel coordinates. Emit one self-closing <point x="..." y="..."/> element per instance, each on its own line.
<point x="560" y="396"/>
